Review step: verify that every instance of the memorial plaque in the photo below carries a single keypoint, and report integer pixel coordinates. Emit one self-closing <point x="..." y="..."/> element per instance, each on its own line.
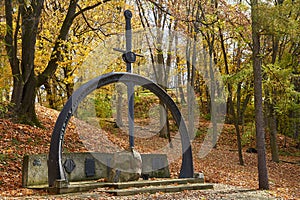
<point x="69" y="165"/>
<point x="89" y="167"/>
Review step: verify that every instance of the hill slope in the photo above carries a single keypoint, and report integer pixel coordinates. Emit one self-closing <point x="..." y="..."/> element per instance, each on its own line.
<point x="219" y="166"/>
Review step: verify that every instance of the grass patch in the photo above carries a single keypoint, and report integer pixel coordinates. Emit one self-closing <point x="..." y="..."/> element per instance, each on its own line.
<point x="15" y="141"/>
<point x="249" y="135"/>
<point x="200" y="132"/>
<point x="3" y="159"/>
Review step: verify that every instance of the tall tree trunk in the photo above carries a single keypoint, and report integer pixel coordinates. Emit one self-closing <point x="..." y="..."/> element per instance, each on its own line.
<point x="273" y="133"/>
<point x="212" y="96"/>
<point x="230" y="108"/>
<point x="239" y="112"/>
<point x="25" y="81"/>
<point x="119" y="120"/>
<point x="206" y="75"/>
<point x="230" y="98"/>
<point x="51" y="94"/>
<point x="63" y="34"/>
<point x="68" y="74"/>
<point x="24" y="88"/>
<point x="296" y="113"/>
<point x="237" y="123"/>
<point x="272" y="122"/>
<point x="179" y="80"/>
<point x="161" y="72"/>
<point x="259" y="119"/>
<point x="189" y="66"/>
<point x="162" y="109"/>
<point x="190" y="90"/>
<point x="189" y="77"/>
<point x="179" y="70"/>
<point x="11" y="41"/>
<point x="158" y="67"/>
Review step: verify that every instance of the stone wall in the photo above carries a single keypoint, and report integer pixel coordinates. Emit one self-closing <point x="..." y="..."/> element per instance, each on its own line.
<point x="86" y="166"/>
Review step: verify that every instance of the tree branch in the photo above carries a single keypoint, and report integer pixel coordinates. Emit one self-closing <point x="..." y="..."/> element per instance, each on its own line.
<point x="90" y="26"/>
<point x="90" y="7"/>
<point x="161" y="8"/>
<point x="71" y="15"/>
<point x="52" y="64"/>
<point x="9" y="31"/>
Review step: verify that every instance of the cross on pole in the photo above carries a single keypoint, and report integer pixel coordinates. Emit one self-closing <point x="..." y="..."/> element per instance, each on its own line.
<point x="129" y="57"/>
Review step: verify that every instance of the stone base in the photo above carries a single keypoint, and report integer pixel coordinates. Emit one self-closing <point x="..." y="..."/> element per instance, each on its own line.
<point x="87" y="166"/>
<point x="125" y="166"/>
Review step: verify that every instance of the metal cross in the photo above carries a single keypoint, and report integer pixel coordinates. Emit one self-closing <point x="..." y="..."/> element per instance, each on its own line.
<point x="129" y="57"/>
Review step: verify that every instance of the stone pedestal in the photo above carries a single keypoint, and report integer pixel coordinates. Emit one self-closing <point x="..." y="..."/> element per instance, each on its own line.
<point x="86" y="166"/>
<point x="125" y="166"/>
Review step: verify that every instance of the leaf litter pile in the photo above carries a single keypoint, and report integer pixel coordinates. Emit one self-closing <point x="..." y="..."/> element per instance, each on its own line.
<point x="220" y="165"/>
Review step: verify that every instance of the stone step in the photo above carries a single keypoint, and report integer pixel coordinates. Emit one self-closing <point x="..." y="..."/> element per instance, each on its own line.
<point x="122" y="188"/>
<point x="144" y="183"/>
<point x="161" y="188"/>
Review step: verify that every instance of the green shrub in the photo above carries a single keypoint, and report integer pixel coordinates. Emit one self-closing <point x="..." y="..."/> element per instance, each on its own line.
<point x="249" y="135"/>
<point x="103" y="105"/>
<point x="4" y="107"/>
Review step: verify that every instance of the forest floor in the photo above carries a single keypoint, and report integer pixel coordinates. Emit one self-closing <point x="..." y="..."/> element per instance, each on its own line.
<point x="220" y="166"/>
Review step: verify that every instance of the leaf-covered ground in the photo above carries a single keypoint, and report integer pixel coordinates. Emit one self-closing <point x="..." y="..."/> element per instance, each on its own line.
<point x="220" y="165"/>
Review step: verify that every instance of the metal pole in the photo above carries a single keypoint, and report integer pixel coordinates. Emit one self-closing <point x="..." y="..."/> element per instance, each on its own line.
<point x="130" y="86"/>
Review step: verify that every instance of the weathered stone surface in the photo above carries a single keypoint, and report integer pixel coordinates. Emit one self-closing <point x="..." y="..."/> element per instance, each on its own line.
<point x="155" y="166"/>
<point x="35" y="168"/>
<point x="125" y="166"/>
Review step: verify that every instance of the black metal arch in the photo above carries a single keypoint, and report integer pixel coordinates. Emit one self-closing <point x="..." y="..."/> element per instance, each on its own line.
<point x="55" y="168"/>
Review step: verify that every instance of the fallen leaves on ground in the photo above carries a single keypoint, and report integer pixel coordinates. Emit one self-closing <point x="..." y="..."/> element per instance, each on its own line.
<point x="219" y="166"/>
